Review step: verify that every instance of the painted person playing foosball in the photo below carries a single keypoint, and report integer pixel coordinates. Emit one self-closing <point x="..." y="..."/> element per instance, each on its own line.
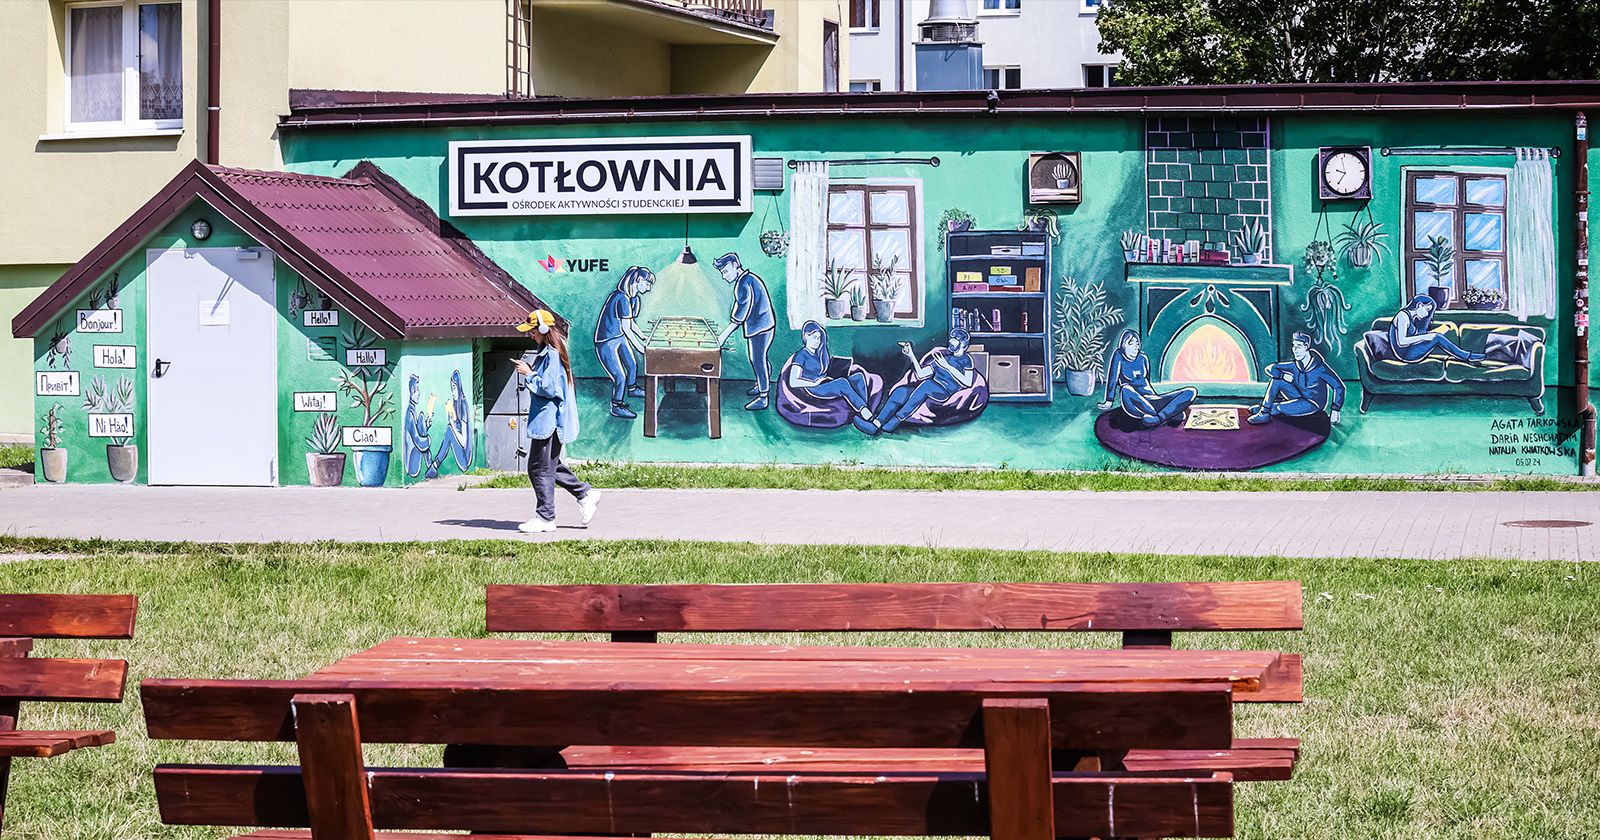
<point x="1128" y="383"/>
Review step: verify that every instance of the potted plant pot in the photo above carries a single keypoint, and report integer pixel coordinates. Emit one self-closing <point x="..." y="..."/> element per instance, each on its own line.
<point x="372" y="465"/>
<point x="1080" y="383"/>
<point x="123" y="461"/>
<point x="837" y="308"/>
<point x="883" y="310"/>
<point x="1485" y="305"/>
<point x="1038" y="224"/>
<point x="54" y="464"/>
<point x="1250" y="259"/>
<point x="1440" y="295"/>
<point x="858" y="313"/>
<point x="1130" y="256"/>
<point x="958" y="225"/>
<point x="327" y="470"/>
<point x="1361" y="255"/>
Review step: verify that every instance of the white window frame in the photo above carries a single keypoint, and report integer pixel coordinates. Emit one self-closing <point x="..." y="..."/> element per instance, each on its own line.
<point x="875" y="10"/>
<point x="918" y="225"/>
<point x="877" y="85"/>
<point x="130" y="121"/>
<point x="1091" y="9"/>
<point x="1003" y="11"/>
<point x="1001" y="70"/>
<point x="1107" y="72"/>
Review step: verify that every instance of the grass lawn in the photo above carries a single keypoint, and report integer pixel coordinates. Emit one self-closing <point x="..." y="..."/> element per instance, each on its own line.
<point x="772" y="476"/>
<point x="1443" y="700"/>
<point x="15" y="455"/>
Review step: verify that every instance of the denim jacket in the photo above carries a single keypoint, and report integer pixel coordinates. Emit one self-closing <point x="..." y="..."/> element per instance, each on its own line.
<point x="552" y="408"/>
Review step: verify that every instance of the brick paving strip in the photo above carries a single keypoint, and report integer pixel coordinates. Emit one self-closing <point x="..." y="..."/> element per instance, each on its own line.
<point x="1426" y="525"/>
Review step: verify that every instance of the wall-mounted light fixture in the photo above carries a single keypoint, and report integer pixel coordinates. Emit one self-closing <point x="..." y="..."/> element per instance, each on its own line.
<point x="201" y="229"/>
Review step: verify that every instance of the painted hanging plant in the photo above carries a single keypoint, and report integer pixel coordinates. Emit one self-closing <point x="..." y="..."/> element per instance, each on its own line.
<point x="1325" y="305"/>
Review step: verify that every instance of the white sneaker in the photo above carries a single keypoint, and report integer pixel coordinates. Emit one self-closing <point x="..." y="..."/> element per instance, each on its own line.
<point x="586" y="506"/>
<point x="537" y="526"/>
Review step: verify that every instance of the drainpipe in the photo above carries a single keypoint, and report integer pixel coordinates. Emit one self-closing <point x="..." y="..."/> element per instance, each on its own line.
<point x="213" y="80"/>
<point x="1580" y="315"/>
<point x="900" y="45"/>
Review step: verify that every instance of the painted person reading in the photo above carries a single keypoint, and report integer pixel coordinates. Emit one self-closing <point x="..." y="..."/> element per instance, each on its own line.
<point x="820" y="375"/>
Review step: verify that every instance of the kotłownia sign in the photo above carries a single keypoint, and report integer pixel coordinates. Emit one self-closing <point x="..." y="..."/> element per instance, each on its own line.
<point x="624" y="175"/>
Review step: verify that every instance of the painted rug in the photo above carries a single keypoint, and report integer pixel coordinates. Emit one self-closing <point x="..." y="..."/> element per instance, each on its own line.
<point x="1246" y="447"/>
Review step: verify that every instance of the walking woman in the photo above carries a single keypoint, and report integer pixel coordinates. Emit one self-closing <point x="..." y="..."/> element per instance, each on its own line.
<point x="552" y="422"/>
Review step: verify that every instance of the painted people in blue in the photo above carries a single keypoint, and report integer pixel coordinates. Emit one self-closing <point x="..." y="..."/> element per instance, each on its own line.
<point x="1410" y="336"/>
<point x="617" y="340"/>
<point x="415" y="448"/>
<point x="1300" y="387"/>
<point x="940" y="374"/>
<point x="1128" y="384"/>
<point x="819" y="374"/>
<point x="459" y="439"/>
<point x="752" y="311"/>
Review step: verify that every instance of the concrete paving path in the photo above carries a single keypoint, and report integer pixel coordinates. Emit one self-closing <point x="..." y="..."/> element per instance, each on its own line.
<point x="1432" y="525"/>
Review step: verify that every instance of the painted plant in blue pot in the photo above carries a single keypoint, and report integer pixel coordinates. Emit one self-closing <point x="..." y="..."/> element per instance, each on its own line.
<point x="368" y="389"/>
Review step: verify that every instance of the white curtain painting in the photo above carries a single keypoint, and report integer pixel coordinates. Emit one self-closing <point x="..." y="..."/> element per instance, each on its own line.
<point x="96" y="64"/>
<point x="1532" y="290"/>
<point x="808" y="243"/>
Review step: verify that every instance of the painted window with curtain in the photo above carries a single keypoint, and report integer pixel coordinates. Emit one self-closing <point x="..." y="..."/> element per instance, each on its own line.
<point x="124" y="65"/>
<point x="873" y="226"/>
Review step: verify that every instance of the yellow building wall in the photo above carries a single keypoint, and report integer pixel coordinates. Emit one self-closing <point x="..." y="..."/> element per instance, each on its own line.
<point x="574" y="57"/>
<point x="443" y="46"/>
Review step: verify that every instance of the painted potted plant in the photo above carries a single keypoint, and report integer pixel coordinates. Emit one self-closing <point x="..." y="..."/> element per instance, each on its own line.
<point x="1251" y="240"/>
<point x="774" y="243"/>
<point x="836" y="291"/>
<point x="1362" y="243"/>
<point x="1042" y="220"/>
<point x="858" y="304"/>
<point x="885" y="288"/>
<point x="954" y="220"/>
<point x="1130" y="245"/>
<point x="368" y="390"/>
<point x="325" y="463"/>
<point x="1325" y="303"/>
<point x="122" y="457"/>
<point x="1440" y="261"/>
<point x="1483" y="299"/>
<point x="52" y="458"/>
<point x="1080" y="337"/>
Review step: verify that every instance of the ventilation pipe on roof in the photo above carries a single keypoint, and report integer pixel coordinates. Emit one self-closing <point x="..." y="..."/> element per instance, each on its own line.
<point x="949" y="54"/>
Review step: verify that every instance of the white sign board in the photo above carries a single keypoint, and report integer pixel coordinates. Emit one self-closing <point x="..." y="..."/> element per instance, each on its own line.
<point x="99" y="320"/>
<point x="215" y="313"/>
<point x="315" y="401"/>
<point x="602" y="176"/>
<point x="56" y="383"/>
<point x="369" y="357"/>
<point x="113" y="355"/>
<point x="111" y="425"/>
<point x="368" y="436"/>
<point x="321" y="317"/>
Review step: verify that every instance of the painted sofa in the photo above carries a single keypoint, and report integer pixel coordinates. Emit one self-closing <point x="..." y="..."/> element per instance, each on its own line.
<point x="1514" y="367"/>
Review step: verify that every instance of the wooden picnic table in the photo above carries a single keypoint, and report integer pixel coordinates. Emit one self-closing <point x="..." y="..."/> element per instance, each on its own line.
<point x="1253" y="675"/>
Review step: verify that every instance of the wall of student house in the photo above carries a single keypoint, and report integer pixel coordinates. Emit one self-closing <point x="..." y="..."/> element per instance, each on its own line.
<point x="981" y="172"/>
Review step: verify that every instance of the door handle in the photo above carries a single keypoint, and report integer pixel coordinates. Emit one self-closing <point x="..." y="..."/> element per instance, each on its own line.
<point x="160" y="369"/>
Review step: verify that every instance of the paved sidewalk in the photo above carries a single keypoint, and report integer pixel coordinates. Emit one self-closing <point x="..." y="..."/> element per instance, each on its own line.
<point x="1419" y="525"/>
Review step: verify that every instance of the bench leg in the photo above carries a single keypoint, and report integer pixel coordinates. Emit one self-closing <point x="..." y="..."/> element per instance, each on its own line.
<point x="1016" y="757"/>
<point x="331" y="768"/>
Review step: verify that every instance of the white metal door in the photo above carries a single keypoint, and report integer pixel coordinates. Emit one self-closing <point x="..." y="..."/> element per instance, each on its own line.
<point x="212" y="367"/>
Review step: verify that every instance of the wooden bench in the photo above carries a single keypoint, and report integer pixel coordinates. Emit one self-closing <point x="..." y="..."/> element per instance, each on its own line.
<point x="1145" y="614"/>
<point x="1014" y="794"/>
<point x="24" y="618"/>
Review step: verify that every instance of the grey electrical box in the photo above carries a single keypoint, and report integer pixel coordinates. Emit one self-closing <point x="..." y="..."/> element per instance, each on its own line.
<point x="942" y="65"/>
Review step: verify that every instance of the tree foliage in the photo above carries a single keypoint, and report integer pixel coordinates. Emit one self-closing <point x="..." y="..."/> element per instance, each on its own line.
<point x="1167" y="42"/>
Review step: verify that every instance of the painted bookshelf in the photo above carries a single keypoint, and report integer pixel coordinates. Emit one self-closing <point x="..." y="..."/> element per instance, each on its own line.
<point x="999" y="283"/>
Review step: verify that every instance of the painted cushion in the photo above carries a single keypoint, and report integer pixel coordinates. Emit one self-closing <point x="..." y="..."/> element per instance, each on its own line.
<point x="1394" y="370"/>
<point x="1512" y="346"/>
<point x="962" y="406"/>
<point x="800" y="408"/>
<point x="1378" y="345"/>
<point x="1486" y="371"/>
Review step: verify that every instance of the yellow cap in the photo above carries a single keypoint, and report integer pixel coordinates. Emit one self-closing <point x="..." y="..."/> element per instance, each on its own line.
<point x="539" y="319"/>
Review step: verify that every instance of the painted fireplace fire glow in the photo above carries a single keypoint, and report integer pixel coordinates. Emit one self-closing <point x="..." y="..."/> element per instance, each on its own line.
<point x="1209" y="350"/>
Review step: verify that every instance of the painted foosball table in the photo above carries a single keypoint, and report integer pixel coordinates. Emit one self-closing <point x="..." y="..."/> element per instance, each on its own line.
<point x="683" y="347"/>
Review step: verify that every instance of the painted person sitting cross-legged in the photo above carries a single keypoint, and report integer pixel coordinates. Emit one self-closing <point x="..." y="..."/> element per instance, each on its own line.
<point x="1299" y="387"/>
<point x="1128" y="385"/>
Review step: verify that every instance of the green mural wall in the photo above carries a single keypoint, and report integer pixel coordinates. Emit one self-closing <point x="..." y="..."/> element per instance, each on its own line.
<point x="1508" y="413"/>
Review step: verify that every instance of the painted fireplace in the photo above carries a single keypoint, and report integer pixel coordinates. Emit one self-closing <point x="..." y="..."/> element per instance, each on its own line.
<point x="1214" y="328"/>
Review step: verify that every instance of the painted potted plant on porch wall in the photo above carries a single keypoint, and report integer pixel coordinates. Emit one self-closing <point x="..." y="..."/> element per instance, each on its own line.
<point x="368" y="390"/>
<point x="836" y="291"/>
<point x="1251" y="240"/>
<point x="885" y="288"/>
<point x="858" y="305"/>
<point x="325" y="463"/>
<point x="1362" y="243"/>
<point x="954" y="220"/>
<point x="1439" y="261"/>
<point x="1080" y="349"/>
<point x="53" y="458"/>
<point x="122" y="457"/>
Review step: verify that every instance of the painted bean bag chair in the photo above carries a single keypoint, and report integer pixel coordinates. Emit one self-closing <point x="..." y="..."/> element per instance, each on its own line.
<point x="962" y="406"/>
<point x="802" y="409"/>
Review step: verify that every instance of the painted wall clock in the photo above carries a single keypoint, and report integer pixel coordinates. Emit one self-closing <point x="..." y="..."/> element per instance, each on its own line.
<point x="1344" y="172"/>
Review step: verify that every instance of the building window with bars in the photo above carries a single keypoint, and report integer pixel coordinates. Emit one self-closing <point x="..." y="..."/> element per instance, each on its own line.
<point x="1456" y="237"/>
<point x="124" y="65"/>
<point x="874" y="226"/>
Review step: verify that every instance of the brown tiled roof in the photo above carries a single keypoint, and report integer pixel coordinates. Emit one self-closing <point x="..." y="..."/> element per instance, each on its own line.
<point x="374" y="248"/>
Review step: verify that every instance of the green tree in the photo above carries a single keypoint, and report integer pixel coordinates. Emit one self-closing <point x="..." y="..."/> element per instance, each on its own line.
<point x="1166" y="42"/>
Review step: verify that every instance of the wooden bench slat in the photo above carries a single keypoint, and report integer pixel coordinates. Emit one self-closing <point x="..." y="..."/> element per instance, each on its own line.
<point x="49" y="743"/>
<point x="68" y="616"/>
<point x="16" y="647"/>
<point x="1100" y="716"/>
<point x="798" y="607"/>
<point x="72" y="680"/>
<point x="303" y="834"/>
<point x="625" y="802"/>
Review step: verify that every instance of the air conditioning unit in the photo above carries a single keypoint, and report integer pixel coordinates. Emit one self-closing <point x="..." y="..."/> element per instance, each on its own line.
<point x="1055" y="178"/>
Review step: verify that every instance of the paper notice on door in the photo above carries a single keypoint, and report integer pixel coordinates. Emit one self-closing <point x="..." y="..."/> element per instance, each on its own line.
<point x="214" y="313"/>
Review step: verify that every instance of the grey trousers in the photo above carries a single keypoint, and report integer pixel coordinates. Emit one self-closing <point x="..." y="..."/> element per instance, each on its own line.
<point x="546" y="471"/>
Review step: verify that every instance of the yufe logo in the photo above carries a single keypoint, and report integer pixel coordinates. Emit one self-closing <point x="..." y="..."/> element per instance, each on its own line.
<point x="555" y="266"/>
